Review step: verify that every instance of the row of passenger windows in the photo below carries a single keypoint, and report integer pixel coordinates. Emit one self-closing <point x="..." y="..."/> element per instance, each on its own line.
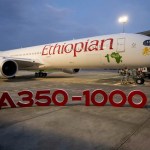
<point x="26" y="54"/>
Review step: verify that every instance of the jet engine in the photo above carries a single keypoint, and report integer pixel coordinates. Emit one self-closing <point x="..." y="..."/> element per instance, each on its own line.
<point x="71" y="71"/>
<point x="8" y="68"/>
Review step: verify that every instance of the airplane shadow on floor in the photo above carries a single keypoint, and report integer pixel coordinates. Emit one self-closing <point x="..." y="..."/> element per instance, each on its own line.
<point x="32" y="78"/>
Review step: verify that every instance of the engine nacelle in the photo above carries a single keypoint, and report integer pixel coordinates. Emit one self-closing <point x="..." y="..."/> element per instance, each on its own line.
<point x="8" y="68"/>
<point x="71" y="71"/>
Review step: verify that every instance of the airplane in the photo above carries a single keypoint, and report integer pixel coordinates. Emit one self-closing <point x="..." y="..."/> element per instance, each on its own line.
<point x="113" y="51"/>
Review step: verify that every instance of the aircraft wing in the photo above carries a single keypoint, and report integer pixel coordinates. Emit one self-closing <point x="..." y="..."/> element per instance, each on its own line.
<point x="25" y="64"/>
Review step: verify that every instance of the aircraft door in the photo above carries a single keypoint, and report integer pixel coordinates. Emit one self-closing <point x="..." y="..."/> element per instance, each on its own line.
<point x="121" y="45"/>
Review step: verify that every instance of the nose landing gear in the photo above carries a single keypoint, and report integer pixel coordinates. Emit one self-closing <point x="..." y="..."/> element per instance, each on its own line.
<point x="136" y="75"/>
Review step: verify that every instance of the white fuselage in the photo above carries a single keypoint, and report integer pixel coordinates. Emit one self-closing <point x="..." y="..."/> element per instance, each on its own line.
<point x="110" y="51"/>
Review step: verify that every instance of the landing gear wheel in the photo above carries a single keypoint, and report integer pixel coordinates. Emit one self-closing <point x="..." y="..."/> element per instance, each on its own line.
<point x="140" y="81"/>
<point x="44" y="74"/>
<point x="36" y="74"/>
<point x="40" y="74"/>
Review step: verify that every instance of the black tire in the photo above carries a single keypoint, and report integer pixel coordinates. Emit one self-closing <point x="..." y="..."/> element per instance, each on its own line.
<point x="40" y="74"/>
<point x="45" y="74"/>
<point x="140" y="81"/>
<point x="36" y="75"/>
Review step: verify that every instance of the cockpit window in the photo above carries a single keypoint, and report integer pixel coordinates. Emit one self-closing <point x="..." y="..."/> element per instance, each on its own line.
<point x="146" y="43"/>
